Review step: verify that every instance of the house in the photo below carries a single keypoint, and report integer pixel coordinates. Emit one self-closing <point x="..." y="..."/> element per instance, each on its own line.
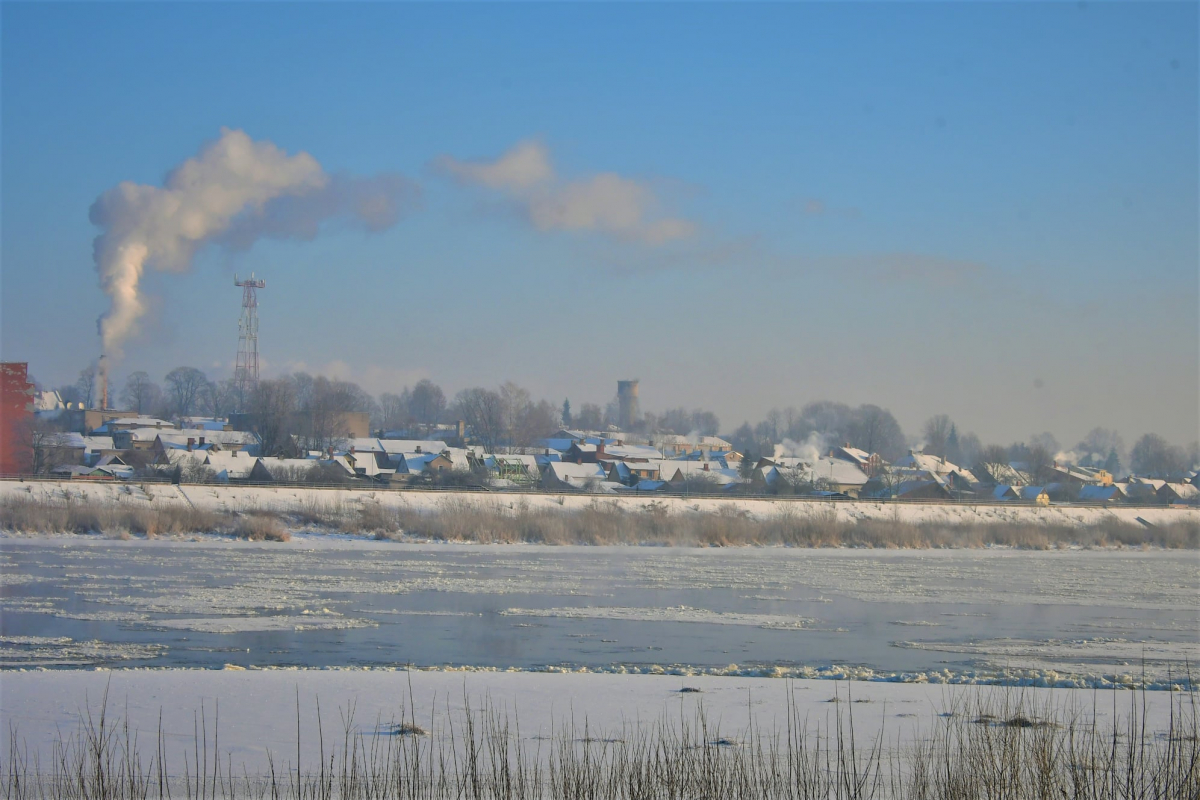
<point x="629" y="473"/>
<point x="926" y="463"/>
<point x="1144" y="490"/>
<point x="870" y="463"/>
<point x="1178" y="494"/>
<point x="232" y="466"/>
<point x="1005" y="493"/>
<point x="59" y="448"/>
<point x="131" y="423"/>
<point x="1000" y="475"/>
<point x="570" y="476"/>
<point x="1113" y="493"/>
<point x="1035" y="494"/>
<point x="918" y="489"/>
<point x="422" y="464"/>
<point x="510" y="469"/>
<point x="369" y="464"/>
<point x="270" y="470"/>
<point x="672" y="445"/>
<point x="1073" y="476"/>
<point x="162" y="446"/>
<point x="205" y="423"/>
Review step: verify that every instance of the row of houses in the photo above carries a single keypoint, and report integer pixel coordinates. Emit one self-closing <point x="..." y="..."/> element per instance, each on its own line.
<point x="591" y="461"/>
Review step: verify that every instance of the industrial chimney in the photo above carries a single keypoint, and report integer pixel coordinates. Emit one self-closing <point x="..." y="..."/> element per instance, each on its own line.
<point x="627" y="400"/>
<point x="102" y="368"/>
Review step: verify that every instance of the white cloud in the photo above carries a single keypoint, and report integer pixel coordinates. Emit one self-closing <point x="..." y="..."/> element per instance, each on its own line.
<point x="608" y="203"/>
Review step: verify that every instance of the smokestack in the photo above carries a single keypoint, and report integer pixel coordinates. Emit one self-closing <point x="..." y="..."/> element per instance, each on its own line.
<point x="103" y="370"/>
<point x="627" y="401"/>
<point x="234" y="191"/>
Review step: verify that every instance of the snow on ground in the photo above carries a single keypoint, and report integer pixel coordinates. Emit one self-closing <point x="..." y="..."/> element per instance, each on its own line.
<point x="255" y="712"/>
<point x="290" y="499"/>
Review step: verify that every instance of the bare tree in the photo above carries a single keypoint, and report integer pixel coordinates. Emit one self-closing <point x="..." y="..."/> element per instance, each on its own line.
<point x="220" y="398"/>
<point x="1154" y="456"/>
<point x="1095" y="448"/>
<point x="427" y="403"/>
<point x="1046" y="440"/>
<point x="875" y="430"/>
<point x="140" y="393"/>
<point x="1038" y="462"/>
<point x="483" y="411"/>
<point x="590" y="417"/>
<point x="992" y="454"/>
<point x="394" y="410"/>
<point x="86" y="385"/>
<point x="272" y="405"/>
<point x="536" y="422"/>
<point x="322" y="406"/>
<point x="185" y="386"/>
<point x="937" y="434"/>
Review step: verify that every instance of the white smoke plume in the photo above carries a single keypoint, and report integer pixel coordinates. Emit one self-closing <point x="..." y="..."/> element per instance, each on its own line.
<point x="812" y="449"/>
<point x="232" y="193"/>
<point x="608" y="203"/>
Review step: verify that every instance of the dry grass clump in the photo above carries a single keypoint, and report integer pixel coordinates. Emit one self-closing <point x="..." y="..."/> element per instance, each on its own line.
<point x="70" y="515"/>
<point x="471" y="518"/>
<point x="260" y="527"/>
<point x="613" y="522"/>
<point x="986" y="746"/>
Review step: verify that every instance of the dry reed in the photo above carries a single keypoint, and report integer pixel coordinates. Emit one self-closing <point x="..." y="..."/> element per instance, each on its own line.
<point x="986" y="746"/>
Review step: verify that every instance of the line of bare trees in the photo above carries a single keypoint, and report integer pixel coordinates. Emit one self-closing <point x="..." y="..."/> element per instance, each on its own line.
<point x="303" y="412"/>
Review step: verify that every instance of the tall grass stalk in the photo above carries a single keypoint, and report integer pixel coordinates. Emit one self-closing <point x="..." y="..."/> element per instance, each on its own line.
<point x="986" y="745"/>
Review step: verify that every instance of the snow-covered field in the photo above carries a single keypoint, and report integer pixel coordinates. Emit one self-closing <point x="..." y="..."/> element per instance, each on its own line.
<point x="255" y="712"/>
<point x="241" y="498"/>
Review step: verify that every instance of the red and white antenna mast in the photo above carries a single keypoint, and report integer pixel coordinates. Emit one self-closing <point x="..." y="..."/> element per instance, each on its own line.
<point x="245" y="373"/>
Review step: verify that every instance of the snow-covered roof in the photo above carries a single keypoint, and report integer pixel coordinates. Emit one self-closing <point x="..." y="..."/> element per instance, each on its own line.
<point x="46" y="401"/>
<point x="230" y="466"/>
<point x="631" y="451"/>
<point x="141" y="422"/>
<point x="204" y="423"/>
<point x="224" y="438"/>
<point x="928" y="463"/>
<point x="62" y="439"/>
<point x="276" y="466"/>
<point x="1003" y="492"/>
<point x="1031" y="492"/>
<point x="397" y="446"/>
<point x="1100" y="494"/>
<point x="414" y="463"/>
<point x="1002" y="474"/>
<point x="567" y="470"/>
<point x="1184" y="491"/>
<point x="92" y="443"/>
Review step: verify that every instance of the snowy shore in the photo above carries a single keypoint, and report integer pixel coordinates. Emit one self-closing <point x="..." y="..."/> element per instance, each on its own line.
<point x="292" y="500"/>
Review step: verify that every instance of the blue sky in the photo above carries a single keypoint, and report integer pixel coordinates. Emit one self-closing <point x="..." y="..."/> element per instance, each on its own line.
<point x="988" y="210"/>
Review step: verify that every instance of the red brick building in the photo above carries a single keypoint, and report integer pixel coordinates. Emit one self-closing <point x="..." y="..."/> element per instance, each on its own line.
<point x="16" y="418"/>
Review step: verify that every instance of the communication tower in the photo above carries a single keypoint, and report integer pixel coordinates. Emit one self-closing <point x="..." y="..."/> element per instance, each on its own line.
<point x="245" y="373"/>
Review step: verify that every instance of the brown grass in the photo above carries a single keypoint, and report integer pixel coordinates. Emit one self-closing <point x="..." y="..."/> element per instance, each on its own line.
<point x="601" y="522"/>
<point x="260" y="527"/>
<point x="613" y="523"/>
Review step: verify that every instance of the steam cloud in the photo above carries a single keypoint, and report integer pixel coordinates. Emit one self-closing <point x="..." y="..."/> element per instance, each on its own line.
<point x="232" y="193"/>
<point x="607" y="203"/>
<point x="811" y="450"/>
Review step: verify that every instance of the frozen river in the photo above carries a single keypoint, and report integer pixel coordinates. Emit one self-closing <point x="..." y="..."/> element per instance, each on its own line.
<point x="1066" y="616"/>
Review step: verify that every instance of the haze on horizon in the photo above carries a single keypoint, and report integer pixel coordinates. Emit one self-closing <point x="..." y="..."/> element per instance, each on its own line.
<point x="986" y="210"/>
